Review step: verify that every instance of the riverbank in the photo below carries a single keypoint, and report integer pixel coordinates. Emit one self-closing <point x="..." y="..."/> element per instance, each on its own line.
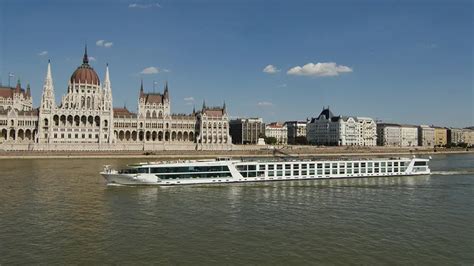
<point x="298" y="151"/>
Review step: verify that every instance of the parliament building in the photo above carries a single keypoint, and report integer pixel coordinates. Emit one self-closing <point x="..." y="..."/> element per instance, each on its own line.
<point x="85" y="119"/>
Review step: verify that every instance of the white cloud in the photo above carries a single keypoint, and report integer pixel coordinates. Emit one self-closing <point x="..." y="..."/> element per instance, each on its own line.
<point x="264" y="104"/>
<point x="43" y="53"/>
<point x="151" y="5"/>
<point x="150" y="70"/>
<point x="166" y="70"/>
<point x="104" y="43"/>
<point x="189" y="99"/>
<point x="326" y="69"/>
<point x="91" y="58"/>
<point x="271" y="69"/>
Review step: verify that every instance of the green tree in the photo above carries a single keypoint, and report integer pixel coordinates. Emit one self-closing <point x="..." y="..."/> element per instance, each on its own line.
<point x="270" y="140"/>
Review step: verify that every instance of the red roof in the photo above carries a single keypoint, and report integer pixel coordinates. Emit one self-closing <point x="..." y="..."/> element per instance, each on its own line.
<point x="153" y="98"/>
<point x="7" y="92"/>
<point x="214" y="112"/>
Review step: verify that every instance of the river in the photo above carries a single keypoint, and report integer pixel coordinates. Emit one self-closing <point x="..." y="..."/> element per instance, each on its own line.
<point x="59" y="211"/>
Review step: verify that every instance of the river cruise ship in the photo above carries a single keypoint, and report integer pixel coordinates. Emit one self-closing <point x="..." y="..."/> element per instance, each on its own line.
<point x="224" y="170"/>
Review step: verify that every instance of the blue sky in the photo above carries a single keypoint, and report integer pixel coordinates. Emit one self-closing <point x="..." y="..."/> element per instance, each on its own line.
<point x="397" y="61"/>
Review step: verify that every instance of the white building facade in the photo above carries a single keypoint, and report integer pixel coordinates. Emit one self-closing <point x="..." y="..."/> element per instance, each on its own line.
<point x="328" y="129"/>
<point x="426" y="136"/>
<point x="278" y="131"/>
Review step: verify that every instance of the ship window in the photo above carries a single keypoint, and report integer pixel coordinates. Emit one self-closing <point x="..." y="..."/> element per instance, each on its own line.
<point x="395" y="164"/>
<point x="271" y="167"/>
<point x="420" y="163"/>
<point x="252" y="167"/>
<point x="252" y="174"/>
<point x="279" y="166"/>
<point x="376" y="164"/>
<point x="311" y="166"/>
<point x="326" y="165"/>
<point x="376" y="170"/>
<point x="311" y="171"/>
<point x="341" y="171"/>
<point x="334" y="171"/>
<point x="320" y="165"/>
<point x="279" y="173"/>
<point x="271" y="173"/>
<point x="287" y="173"/>
<point x="287" y="166"/>
<point x="327" y="171"/>
<point x="362" y="164"/>
<point x="304" y="166"/>
<point x="304" y="172"/>
<point x="383" y="164"/>
<point x="356" y="165"/>
<point x="262" y="167"/>
<point x="369" y="170"/>
<point x="334" y="165"/>
<point x="395" y="169"/>
<point x="296" y="166"/>
<point x="296" y="172"/>
<point x="349" y="165"/>
<point x="320" y="172"/>
<point x="369" y="164"/>
<point x="349" y="171"/>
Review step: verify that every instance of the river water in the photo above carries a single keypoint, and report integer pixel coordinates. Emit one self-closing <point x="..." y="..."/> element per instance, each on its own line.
<point x="59" y="211"/>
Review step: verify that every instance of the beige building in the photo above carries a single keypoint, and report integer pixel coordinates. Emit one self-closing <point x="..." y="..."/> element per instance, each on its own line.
<point x="441" y="136"/>
<point x="426" y="136"/>
<point x="397" y="135"/>
<point x="468" y="136"/>
<point x="278" y="131"/>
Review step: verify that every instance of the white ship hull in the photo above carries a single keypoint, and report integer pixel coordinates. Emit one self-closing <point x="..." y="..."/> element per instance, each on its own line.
<point x="221" y="172"/>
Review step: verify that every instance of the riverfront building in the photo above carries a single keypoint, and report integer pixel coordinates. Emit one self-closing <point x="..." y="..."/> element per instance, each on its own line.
<point x="397" y="135"/>
<point x="278" y="131"/>
<point x="85" y="119"/>
<point x="296" y="129"/>
<point x="328" y="129"/>
<point x="441" y="136"/>
<point x="247" y="130"/>
<point x="425" y="136"/>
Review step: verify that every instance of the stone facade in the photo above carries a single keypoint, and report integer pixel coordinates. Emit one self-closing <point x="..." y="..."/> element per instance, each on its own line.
<point x="295" y="129"/>
<point x="331" y="130"/>
<point x="441" y="136"/>
<point x="247" y="130"/>
<point x="425" y="136"/>
<point x="278" y="131"/>
<point x="86" y="120"/>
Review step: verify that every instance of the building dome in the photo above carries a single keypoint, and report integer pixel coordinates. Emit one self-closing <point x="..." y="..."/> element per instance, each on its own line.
<point x="85" y="73"/>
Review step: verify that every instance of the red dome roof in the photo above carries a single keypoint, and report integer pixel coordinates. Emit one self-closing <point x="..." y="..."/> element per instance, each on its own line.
<point x="85" y="73"/>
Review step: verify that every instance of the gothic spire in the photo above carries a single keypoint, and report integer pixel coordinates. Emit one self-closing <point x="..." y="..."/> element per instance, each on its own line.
<point x="28" y="90"/>
<point x="166" y="93"/>
<point x="107" y="77"/>
<point x="141" y="88"/>
<point x="85" y="60"/>
<point x="203" y="104"/>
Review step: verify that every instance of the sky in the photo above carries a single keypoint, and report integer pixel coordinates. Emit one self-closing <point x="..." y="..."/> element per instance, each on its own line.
<point x="395" y="61"/>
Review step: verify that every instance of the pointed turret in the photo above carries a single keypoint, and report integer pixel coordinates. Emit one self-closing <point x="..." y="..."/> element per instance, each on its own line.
<point x="18" y="86"/>
<point x="166" y="92"/>
<point x="141" y="89"/>
<point x="28" y="90"/>
<point x="203" y="104"/>
<point x="194" y="109"/>
<point x="85" y="59"/>
<point x="107" y="85"/>
<point x="48" y="101"/>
